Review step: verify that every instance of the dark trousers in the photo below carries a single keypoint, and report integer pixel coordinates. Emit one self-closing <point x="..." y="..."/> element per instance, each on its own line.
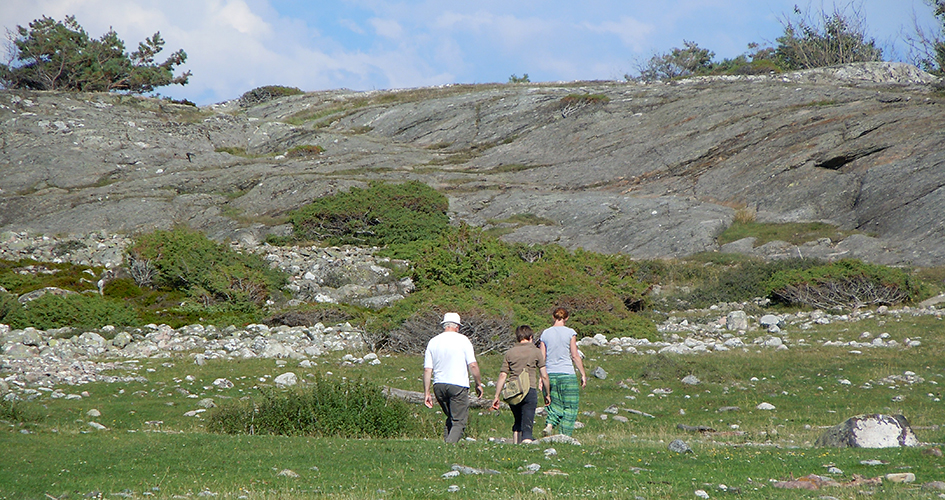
<point x="524" y="414"/>
<point x="454" y="400"/>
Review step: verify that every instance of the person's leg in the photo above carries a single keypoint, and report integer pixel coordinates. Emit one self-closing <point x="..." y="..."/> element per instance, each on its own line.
<point x="528" y="406"/>
<point x="554" y="411"/>
<point x="441" y="392"/>
<point x="517" y="423"/>
<point x="459" y="412"/>
<point x="570" y="397"/>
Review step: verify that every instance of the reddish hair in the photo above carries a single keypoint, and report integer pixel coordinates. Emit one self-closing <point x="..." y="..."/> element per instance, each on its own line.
<point x="560" y="314"/>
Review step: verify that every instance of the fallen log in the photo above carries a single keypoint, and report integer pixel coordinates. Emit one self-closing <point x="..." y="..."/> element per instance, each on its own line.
<point x="416" y="397"/>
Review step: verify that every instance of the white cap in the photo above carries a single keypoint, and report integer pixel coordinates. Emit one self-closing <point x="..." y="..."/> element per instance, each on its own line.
<point x="450" y="318"/>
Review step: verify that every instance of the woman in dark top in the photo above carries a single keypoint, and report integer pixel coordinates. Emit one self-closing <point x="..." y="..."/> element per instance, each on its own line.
<point x="524" y="355"/>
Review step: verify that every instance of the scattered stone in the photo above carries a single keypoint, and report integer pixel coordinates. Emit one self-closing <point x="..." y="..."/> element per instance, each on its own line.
<point x="453" y="488"/>
<point x="97" y="426"/>
<point x="934" y="485"/>
<point x="463" y="469"/>
<point x="288" y="473"/>
<point x="223" y="383"/>
<point x="559" y="438"/>
<point x="599" y="373"/>
<point x="901" y="477"/>
<point x="736" y="320"/>
<point x="765" y="406"/>
<point x="873" y="462"/>
<point x="539" y="491"/>
<point x="679" y="446"/>
<point x="94" y="413"/>
<point x="694" y="428"/>
<point x="691" y="380"/>
<point x="869" y="431"/>
<point x="286" y="380"/>
<point x="702" y="494"/>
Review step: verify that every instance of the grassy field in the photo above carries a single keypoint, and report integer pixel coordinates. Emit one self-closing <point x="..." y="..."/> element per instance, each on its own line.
<point x="151" y="449"/>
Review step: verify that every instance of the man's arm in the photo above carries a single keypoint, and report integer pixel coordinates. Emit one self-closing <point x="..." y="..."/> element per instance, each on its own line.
<point x="474" y="369"/>
<point x="427" y="378"/>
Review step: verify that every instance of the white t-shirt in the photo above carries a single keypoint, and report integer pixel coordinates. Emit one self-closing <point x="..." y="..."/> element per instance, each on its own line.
<point x="448" y="354"/>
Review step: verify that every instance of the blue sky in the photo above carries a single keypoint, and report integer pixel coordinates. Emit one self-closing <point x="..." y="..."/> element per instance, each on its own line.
<point x="236" y="45"/>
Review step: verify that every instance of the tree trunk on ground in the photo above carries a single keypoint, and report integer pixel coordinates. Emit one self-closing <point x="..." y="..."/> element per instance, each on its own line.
<point x="417" y="398"/>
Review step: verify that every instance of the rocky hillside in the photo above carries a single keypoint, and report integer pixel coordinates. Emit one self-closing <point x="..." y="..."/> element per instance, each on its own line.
<point x="652" y="170"/>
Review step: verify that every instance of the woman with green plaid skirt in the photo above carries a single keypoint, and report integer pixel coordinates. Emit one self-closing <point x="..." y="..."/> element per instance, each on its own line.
<point x="559" y="345"/>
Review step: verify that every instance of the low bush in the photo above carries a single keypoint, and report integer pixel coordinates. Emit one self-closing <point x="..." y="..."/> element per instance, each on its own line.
<point x="382" y="215"/>
<point x="81" y="311"/>
<point x="304" y="151"/>
<point x="743" y="281"/>
<point x="211" y="272"/>
<point x="266" y="93"/>
<point x="26" y="275"/>
<point x="845" y="284"/>
<point x="14" y="411"/>
<point x="337" y="408"/>
<point x="407" y="326"/>
<point x="464" y="256"/>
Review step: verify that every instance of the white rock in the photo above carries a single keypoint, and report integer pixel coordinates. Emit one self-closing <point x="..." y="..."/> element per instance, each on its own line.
<point x="286" y="379"/>
<point x="765" y="406"/>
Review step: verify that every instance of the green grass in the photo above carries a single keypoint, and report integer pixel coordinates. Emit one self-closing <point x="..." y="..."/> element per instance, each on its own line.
<point x="795" y="233"/>
<point x="64" y="458"/>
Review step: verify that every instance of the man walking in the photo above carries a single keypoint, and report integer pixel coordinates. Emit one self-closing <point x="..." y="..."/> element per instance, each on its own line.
<point x="447" y="362"/>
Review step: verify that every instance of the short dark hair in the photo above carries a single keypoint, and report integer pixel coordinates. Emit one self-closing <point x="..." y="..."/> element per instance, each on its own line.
<point x="523" y="332"/>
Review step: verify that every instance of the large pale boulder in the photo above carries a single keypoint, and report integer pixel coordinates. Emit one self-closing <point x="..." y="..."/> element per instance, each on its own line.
<point x="870" y="431"/>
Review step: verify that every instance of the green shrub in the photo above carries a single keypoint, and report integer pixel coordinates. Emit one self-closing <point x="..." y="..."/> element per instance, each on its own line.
<point x="822" y="39"/>
<point x="188" y="261"/>
<point x="75" y="310"/>
<point x="339" y="408"/>
<point x="267" y="93"/>
<point x="18" y="412"/>
<point x="743" y="281"/>
<point x="381" y="215"/>
<point x="122" y="288"/>
<point x="26" y="275"/>
<point x="464" y="257"/>
<point x="847" y="283"/>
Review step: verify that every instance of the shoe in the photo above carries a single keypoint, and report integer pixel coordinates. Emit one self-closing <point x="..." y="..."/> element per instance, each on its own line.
<point x="548" y="430"/>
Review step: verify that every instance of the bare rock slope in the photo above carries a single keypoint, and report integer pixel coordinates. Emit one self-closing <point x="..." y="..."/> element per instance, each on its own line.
<point x="651" y="170"/>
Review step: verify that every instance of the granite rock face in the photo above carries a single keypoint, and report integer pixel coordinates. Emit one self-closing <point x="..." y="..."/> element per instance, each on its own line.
<point x="650" y="170"/>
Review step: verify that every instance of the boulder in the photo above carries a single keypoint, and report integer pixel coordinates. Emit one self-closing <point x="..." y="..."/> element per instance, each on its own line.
<point x="869" y="431"/>
<point x="736" y="320"/>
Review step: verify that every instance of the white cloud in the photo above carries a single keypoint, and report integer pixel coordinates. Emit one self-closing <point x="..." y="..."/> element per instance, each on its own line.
<point x="387" y="28"/>
<point x="632" y="33"/>
<point x="237" y="15"/>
